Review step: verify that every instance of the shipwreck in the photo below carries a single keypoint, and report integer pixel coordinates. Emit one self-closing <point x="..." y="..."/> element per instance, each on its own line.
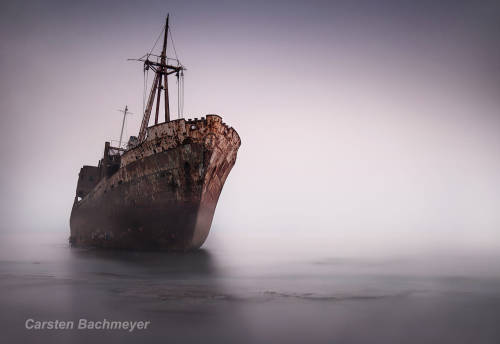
<point x="160" y="189"/>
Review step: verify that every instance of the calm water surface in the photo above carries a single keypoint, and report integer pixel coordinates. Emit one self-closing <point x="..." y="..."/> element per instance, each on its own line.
<point x="245" y="289"/>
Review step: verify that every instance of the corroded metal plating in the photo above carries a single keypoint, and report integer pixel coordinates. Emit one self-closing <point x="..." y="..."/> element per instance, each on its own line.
<point x="160" y="194"/>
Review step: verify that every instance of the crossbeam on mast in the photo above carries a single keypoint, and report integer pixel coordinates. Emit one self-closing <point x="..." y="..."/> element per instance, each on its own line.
<point x="162" y="69"/>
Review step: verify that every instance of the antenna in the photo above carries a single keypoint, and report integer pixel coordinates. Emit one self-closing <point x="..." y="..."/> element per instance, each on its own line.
<point x="125" y="113"/>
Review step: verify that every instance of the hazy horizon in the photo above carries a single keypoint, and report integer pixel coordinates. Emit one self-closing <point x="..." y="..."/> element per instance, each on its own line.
<point x="367" y="126"/>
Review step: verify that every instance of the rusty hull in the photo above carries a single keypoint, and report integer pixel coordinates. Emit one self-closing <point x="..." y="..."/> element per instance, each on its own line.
<point x="164" y="192"/>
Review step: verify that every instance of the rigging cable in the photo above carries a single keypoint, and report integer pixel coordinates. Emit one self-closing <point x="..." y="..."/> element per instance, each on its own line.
<point x="154" y="45"/>
<point x="173" y="45"/>
<point x="180" y="81"/>
<point x="178" y="96"/>
<point x="143" y="88"/>
<point x="182" y="95"/>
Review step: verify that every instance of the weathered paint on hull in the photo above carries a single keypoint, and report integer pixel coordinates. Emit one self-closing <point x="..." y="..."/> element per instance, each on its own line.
<point x="166" y="197"/>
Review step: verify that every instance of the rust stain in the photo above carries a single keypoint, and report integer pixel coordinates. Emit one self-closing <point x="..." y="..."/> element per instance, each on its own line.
<point x="160" y="194"/>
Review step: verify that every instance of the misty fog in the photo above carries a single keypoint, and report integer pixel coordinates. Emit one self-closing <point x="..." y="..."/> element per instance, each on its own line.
<point x="364" y="127"/>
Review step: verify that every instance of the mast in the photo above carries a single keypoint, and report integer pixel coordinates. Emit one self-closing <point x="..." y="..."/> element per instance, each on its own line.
<point x="125" y="112"/>
<point x="162" y="69"/>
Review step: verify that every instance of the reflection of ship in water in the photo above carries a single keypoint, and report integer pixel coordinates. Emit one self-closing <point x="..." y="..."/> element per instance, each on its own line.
<point x="198" y="264"/>
<point x="161" y="190"/>
<point x="175" y="291"/>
